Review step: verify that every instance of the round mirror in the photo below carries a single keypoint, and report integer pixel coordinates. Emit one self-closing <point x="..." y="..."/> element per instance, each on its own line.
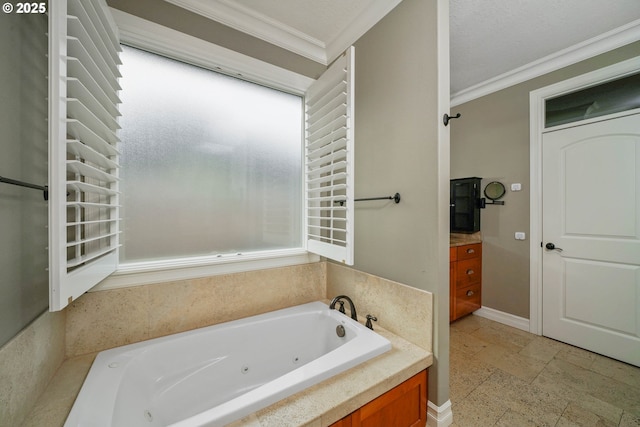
<point x="494" y="190"/>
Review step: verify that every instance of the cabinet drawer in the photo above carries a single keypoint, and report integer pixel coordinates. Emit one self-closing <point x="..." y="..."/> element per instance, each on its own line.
<point x="468" y="300"/>
<point x="452" y="290"/>
<point x="469" y="251"/>
<point x="468" y="272"/>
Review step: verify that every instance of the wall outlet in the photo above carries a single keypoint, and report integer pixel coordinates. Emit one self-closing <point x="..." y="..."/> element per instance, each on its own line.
<point x="516" y="186"/>
<point x="520" y="235"/>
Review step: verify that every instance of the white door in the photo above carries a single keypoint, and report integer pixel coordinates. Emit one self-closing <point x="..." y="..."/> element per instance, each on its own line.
<point x="591" y="214"/>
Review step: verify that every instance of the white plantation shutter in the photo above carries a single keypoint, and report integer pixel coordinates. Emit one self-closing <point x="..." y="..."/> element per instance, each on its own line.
<point x="330" y="160"/>
<point x="83" y="147"/>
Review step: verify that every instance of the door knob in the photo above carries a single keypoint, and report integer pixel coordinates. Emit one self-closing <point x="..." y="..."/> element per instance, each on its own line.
<point x="550" y="246"/>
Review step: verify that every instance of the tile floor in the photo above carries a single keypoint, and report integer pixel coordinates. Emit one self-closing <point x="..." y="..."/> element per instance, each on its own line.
<point x="502" y="376"/>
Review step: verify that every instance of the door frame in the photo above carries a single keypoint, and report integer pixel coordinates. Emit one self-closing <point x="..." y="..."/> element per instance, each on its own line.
<point x="537" y="100"/>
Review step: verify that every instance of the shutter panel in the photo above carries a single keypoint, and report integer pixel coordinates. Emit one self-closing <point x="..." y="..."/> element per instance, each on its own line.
<point x="83" y="147"/>
<point x="329" y="161"/>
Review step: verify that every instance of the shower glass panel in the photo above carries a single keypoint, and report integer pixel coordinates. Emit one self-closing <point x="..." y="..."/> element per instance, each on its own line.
<point x="606" y="98"/>
<point x="24" y="281"/>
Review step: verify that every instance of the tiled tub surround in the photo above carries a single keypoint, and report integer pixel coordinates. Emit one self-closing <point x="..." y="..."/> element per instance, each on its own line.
<point x="27" y="363"/>
<point x="111" y="318"/>
<point x="222" y="373"/>
<point x="107" y="319"/>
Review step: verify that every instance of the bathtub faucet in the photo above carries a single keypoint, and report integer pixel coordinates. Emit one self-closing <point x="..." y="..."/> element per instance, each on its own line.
<point x="352" y="307"/>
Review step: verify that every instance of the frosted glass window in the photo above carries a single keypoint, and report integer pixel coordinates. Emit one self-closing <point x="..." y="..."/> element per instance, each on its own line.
<point x="606" y="98"/>
<point x="211" y="164"/>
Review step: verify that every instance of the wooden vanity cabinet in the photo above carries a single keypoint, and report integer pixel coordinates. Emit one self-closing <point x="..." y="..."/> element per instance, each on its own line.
<point x="345" y="422"/>
<point x="465" y="282"/>
<point x="453" y="257"/>
<point x="403" y="406"/>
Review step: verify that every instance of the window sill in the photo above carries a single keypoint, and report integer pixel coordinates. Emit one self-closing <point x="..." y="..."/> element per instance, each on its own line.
<point x="144" y="273"/>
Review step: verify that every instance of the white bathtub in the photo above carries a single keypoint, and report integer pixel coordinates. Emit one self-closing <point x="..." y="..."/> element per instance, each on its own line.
<point x="215" y="375"/>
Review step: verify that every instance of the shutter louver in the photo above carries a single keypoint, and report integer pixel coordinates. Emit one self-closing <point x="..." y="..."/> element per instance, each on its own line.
<point x="83" y="119"/>
<point x="329" y="161"/>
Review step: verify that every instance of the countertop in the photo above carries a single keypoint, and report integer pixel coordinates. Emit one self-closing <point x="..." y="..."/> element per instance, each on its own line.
<point x="317" y="406"/>
<point x="460" y="239"/>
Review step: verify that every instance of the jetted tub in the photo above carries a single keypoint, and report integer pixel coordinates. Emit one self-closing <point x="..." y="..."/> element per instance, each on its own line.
<point x="218" y="374"/>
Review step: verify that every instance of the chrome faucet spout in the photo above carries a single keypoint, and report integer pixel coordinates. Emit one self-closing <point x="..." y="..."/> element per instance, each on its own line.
<point x="352" y="307"/>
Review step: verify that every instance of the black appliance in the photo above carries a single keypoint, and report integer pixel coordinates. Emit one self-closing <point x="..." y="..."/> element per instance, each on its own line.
<point x="465" y="204"/>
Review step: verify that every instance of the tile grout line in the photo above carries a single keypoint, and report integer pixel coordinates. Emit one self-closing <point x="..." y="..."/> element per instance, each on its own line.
<point x="562" y="414"/>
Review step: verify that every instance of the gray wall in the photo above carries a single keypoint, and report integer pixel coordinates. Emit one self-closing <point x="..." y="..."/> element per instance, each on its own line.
<point x="24" y="291"/>
<point x="396" y="128"/>
<point x="491" y="141"/>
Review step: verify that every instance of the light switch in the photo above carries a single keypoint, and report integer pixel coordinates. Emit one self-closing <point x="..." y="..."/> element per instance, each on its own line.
<point x="516" y="186"/>
<point x="520" y="235"/>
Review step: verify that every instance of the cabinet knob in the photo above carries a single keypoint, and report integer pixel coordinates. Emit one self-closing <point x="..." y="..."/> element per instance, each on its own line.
<point x="469" y="293"/>
<point x="471" y="251"/>
<point x="470" y="272"/>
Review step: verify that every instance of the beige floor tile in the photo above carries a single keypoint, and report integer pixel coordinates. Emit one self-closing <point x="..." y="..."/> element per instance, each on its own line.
<point x="516" y="333"/>
<point x="575" y="355"/>
<point x="476" y="410"/>
<point x="501" y="376"/>
<point x="470" y="323"/>
<point x="504" y="338"/>
<point x="597" y="385"/>
<point x="629" y="420"/>
<point x="549" y="381"/>
<point x="512" y="419"/>
<point x="463" y="343"/>
<point x="515" y="364"/>
<point x="465" y="375"/>
<point x="577" y="416"/>
<point x="535" y="404"/>
<point x="541" y="348"/>
<point x="572" y="375"/>
<point x="620" y="371"/>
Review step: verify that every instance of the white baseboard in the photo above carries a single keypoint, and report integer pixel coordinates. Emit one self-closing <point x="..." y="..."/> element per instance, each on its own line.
<point x="439" y="416"/>
<point x="504" y="318"/>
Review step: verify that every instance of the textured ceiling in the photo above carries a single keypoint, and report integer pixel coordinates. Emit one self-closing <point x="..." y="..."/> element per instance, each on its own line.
<point x="488" y="37"/>
<point x="492" y="37"/>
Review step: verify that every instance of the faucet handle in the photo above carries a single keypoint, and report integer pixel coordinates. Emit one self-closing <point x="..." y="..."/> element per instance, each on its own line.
<point x="368" y="324"/>
<point x="341" y="309"/>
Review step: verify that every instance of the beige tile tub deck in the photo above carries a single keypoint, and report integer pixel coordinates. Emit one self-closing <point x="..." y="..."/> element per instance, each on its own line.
<point x="111" y="318"/>
<point x="319" y="405"/>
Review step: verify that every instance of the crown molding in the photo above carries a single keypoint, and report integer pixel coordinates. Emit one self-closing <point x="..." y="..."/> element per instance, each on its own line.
<point x="148" y="35"/>
<point x="275" y="32"/>
<point x="257" y="25"/>
<point x="603" y="43"/>
<point x="360" y="25"/>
